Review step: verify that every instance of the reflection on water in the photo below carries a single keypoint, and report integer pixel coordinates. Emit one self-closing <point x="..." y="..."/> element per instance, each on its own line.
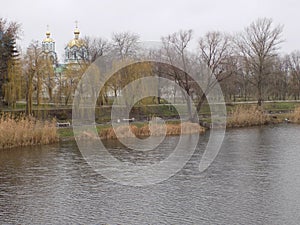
<point x="254" y="180"/>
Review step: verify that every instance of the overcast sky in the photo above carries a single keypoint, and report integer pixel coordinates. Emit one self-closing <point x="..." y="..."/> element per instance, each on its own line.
<point x="149" y="18"/>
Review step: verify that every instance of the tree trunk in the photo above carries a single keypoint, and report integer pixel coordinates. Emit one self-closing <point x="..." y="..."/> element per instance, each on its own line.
<point x="259" y="93"/>
<point x="29" y="98"/>
<point x="198" y="108"/>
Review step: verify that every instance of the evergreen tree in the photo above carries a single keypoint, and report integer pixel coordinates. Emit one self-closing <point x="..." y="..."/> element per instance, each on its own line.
<point x="9" y="32"/>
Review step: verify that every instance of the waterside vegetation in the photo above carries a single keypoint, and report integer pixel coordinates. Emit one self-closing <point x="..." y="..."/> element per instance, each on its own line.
<point x="24" y="131"/>
<point x="243" y="116"/>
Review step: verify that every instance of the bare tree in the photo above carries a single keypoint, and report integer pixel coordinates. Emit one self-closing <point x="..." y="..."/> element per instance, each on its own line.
<point x="125" y="44"/>
<point x="124" y="47"/>
<point x="294" y="66"/>
<point x="277" y="85"/>
<point x="258" y="46"/>
<point x="216" y="52"/>
<point x="96" y="47"/>
<point x="175" y="50"/>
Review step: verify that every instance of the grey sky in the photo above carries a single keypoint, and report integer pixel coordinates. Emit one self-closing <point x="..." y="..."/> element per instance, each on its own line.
<point x="149" y="18"/>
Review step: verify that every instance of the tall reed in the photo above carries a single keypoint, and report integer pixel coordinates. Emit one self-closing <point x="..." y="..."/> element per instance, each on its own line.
<point x="23" y="131"/>
<point x="243" y="116"/>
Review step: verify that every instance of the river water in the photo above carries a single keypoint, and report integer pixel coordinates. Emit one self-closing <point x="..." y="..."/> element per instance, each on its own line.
<point x="255" y="179"/>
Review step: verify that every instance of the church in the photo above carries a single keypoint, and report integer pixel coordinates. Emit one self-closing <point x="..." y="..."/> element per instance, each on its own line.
<point x="67" y="73"/>
<point x="75" y="51"/>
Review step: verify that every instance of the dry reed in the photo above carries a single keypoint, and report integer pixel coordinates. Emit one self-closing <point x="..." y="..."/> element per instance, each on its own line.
<point x="157" y="130"/>
<point x="247" y="116"/>
<point x="171" y="129"/>
<point x="122" y="130"/>
<point x="25" y="131"/>
<point x="295" y="116"/>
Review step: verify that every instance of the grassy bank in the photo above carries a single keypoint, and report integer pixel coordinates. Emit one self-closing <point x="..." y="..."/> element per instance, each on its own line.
<point x="24" y="131"/>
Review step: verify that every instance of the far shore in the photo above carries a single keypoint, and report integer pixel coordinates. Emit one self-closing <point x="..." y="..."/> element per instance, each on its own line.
<point x="66" y="133"/>
<point x="25" y="131"/>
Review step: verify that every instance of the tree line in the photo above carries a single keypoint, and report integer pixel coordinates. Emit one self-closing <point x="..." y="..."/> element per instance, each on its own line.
<point x="248" y="65"/>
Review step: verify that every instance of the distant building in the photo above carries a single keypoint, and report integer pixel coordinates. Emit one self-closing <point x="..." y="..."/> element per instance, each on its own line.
<point x="66" y="74"/>
<point x="75" y="51"/>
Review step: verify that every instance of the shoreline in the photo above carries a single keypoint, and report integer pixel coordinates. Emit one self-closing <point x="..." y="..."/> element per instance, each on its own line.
<point x="273" y="120"/>
<point x="141" y="129"/>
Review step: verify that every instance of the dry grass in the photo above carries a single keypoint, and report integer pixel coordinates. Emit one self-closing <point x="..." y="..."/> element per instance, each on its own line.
<point x="157" y="130"/>
<point x="24" y="131"/>
<point x="295" y="116"/>
<point x="247" y="116"/>
<point x="172" y="129"/>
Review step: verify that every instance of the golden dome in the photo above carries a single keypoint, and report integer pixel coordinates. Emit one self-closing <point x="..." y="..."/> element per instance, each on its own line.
<point x="76" y="42"/>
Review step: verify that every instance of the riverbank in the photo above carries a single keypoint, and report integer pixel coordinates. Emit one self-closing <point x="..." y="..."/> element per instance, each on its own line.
<point x="239" y="116"/>
<point x="18" y="131"/>
<point x="141" y="129"/>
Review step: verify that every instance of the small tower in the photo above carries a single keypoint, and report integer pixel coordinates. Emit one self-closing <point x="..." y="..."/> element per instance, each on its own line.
<point x="48" y="47"/>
